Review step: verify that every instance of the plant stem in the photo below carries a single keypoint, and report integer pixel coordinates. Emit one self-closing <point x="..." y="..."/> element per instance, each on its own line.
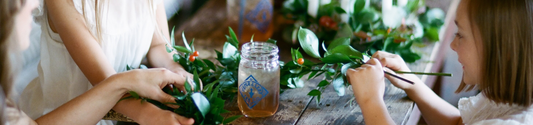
<point x="424" y="73"/>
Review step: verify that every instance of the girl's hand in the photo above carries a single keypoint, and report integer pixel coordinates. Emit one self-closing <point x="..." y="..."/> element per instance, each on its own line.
<point x="396" y="63"/>
<point x="368" y="81"/>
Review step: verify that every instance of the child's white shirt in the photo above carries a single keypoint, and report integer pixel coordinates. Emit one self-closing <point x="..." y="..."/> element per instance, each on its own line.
<point x="479" y="110"/>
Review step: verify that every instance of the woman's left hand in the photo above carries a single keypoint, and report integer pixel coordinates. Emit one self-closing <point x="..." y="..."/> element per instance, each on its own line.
<point x="187" y="75"/>
<point x="368" y="81"/>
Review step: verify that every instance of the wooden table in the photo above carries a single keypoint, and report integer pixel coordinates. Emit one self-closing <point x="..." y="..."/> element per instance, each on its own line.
<point x="208" y="26"/>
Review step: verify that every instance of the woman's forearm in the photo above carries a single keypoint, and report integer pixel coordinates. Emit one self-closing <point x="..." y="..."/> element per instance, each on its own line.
<point x="434" y="109"/>
<point x="135" y="109"/>
<point x="87" y="108"/>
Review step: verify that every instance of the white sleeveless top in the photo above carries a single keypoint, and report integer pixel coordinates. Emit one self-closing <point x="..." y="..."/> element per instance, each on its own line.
<point x="127" y="30"/>
<point x="479" y="110"/>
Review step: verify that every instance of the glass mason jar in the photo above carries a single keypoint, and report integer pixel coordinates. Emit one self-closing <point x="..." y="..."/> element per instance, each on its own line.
<point x="251" y="17"/>
<point x="259" y="79"/>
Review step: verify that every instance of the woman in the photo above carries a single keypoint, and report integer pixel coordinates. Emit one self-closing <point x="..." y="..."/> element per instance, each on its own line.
<point x="89" y="107"/>
<point x="85" y="41"/>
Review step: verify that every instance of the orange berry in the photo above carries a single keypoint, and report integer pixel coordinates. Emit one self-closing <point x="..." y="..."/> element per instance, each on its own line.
<point x="192" y="58"/>
<point x="301" y="61"/>
<point x="195" y="53"/>
<point x="389" y="30"/>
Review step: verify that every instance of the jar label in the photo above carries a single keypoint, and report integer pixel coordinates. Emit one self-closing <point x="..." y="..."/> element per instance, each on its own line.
<point x="261" y="15"/>
<point x="252" y="92"/>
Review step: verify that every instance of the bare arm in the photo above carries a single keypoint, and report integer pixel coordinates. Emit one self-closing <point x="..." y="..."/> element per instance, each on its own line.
<point x="89" y="57"/>
<point x="157" y="55"/>
<point x="92" y="105"/>
<point x="434" y="109"/>
<point x="368" y="85"/>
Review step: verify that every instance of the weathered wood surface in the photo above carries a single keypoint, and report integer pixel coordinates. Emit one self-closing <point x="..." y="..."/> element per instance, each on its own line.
<point x="340" y="110"/>
<point x="209" y="26"/>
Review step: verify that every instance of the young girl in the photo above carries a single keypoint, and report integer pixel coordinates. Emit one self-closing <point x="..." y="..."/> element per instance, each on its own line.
<point x="86" y="41"/>
<point x="88" y="108"/>
<point x="494" y="43"/>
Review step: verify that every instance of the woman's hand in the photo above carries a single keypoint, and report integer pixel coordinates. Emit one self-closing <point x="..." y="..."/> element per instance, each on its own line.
<point x="368" y="81"/>
<point x="149" y="82"/>
<point x="396" y="63"/>
<point x="188" y="76"/>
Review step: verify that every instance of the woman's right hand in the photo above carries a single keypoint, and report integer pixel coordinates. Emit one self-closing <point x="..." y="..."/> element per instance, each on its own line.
<point x="148" y="83"/>
<point x="396" y="63"/>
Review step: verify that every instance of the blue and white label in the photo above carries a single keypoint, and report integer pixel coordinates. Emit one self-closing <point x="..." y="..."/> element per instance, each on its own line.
<point x="261" y="15"/>
<point x="252" y="92"/>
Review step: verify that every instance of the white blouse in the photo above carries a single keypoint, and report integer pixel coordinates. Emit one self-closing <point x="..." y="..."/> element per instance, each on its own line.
<point x="479" y="110"/>
<point x="127" y="30"/>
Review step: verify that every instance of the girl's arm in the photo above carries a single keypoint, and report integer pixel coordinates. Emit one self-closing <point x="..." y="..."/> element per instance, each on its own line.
<point x="92" y="105"/>
<point x="157" y="55"/>
<point x="86" y="52"/>
<point x="434" y="109"/>
<point x="368" y="85"/>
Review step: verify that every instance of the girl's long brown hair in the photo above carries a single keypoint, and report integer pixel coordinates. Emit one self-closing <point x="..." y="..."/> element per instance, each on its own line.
<point x="506" y="35"/>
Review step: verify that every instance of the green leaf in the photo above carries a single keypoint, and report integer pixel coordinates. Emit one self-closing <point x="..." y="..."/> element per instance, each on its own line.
<point x="313" y="73"/>
<point x="196" y="81"/>
<point x="187" y="85"/>
<point x="229" y="50"/>
<point x="359" y="5"/>
<point x="339" y="10"/>
<point x="338" y="42"/>
<point x="347" y="66"/>
<point x="182" y="49"/>
<point x="168" y="48"/>
<point x="344" y="32"/>
<point x="368" y="16"/>
<point x="208" y="89"/>
<point x="324" y="48"/>
<point x="234" y="41"/>
<point x="210" y="64"/>
<point x="347" y="50"/>
<point x="309" y="42"/>
<point x="432" y="18"/>
<point x="128" y="67"/>
<point x="295" y="82"/>
<point x="142" y="66"/>
<point x="336" y="58"/>
<point x="432" y="33"/>
<point x="231" y="119"/>
<point x="134" y="95"/>
<point x="314" y="92"/>
<point x="296" y="54"/>
<point x="273" y="41"/>
<point x="129" y="97"/>
<point x="185" y="41"/>
<point x="338" y="85"/>
<point x="323" y="83"/>
<point x="214" y="95"/>
<point x="412" y="5"/>
<point x="176" y="57"/>
<point x="192" y="45"/>
<point x="172" y="41"/>
<point x="390" y="46"/>
<point x="201" y="103"/>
